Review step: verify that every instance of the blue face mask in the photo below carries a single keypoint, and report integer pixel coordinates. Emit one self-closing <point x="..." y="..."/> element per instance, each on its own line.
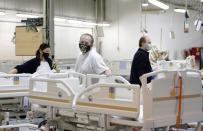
<point x="149" y="47"/>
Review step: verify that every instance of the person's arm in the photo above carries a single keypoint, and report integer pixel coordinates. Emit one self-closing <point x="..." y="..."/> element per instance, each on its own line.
<point x="100" y="67"/>
<point x="13" y="71"/>
<point x="26" y="67"/>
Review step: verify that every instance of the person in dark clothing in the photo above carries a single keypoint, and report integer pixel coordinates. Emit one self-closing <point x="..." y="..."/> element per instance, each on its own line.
<point x="40" y="62"/>
<point x="141" y="64"/>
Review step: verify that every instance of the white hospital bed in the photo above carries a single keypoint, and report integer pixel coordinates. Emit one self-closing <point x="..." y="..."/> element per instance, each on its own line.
<point x="66" y="84"/>
<point x="120" y="67"/>
<point x="104" y="105"/>
<point x="56" y="90"/>
<point x="14" y="85"/>
<point x="14" y="89"/>
<point x="98" y="107"/>
<point x="59" y="90"/>
<point x="119" y="92"/>
<point x="174" y="65"/>
<point x="160" y="108"/>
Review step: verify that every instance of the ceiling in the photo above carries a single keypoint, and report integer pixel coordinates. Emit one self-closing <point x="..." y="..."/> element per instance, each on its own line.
<point x="192" y="4"/>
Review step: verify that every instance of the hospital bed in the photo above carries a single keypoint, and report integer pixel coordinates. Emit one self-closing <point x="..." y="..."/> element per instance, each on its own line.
<point x="59" y="91"/>
<point x="14" y="90"/>
<point x="160" y="108"/>
<point x="65" y="85"/>
<point x="14" y="85"/>
<point x="120" y="67"/>
<point x="55" y="90"/>
<point x="65" y="64"/>
<point x="14" y="101"/>
<point x="100" y="107"/>
<point x="189" y="63"/>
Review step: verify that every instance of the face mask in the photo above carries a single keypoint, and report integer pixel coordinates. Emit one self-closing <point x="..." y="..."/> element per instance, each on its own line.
<point x="45" y="55"/>
<point x="149" y="47"/>
<point x="84" y="48"/>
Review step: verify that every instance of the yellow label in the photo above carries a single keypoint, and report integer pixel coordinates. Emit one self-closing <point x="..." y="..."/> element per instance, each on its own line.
<point x="16" y="82"/>
<point x="111" y="95"/>
<point x="111" y="92"/>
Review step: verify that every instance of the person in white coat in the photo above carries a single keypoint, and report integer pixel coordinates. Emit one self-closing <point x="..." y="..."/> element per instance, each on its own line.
<point x="89" y="61"/>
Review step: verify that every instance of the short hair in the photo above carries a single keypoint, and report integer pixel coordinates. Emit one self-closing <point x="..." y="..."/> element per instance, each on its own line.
<point x="142" y="40"/>
<point x="92" y="39"/>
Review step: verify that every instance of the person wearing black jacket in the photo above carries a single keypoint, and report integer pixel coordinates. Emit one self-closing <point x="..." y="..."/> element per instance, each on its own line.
<point x="40" y="62"/>
<point x="141" y="64"/>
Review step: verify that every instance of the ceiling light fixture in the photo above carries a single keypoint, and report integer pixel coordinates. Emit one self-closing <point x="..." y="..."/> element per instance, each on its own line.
<point x="81" y="22"/>
<point x="159" y="4"/>
<point x="145" y="4"/>
<point x="2" y="13"/>
<point x="180" y="10"/>
<point x="22" y="15"/>
<point x="87" y="23"/>
<point x="59" y="19"/>
<point x="103" y="24"/>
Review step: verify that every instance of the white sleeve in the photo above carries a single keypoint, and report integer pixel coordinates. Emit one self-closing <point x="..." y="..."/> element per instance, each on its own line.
<point x="98" y="65"/>
<point x="77" y="64"/>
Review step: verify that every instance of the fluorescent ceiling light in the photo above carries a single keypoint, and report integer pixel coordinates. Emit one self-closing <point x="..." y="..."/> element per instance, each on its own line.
<point x="106" y="24"/>
<point x="2" y="13"/>
<point x="159" y="4"/>
<point x="60" y="19"/>
<point x="74" y="22"/>
<point x="80" y="22"/>
<point x="145" y="4"/>
<point x="180" y="10"/>
<point x="26" y="15"/>
<point x="89" y="23"/>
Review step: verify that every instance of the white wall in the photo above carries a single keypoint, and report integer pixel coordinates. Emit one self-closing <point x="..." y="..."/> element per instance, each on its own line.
<point x="66" y="38"/>
<point x="7" y="29"/>
<point x="156" y="22"/>
<point x="125" y="17"/>
<point x="120" y="39"/>
<point x="67" y="41"/>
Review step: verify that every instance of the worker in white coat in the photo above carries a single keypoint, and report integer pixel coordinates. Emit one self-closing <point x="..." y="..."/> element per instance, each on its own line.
<point x="89" y="61"/>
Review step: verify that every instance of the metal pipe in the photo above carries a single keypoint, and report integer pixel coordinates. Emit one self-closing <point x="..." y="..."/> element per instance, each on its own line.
<point x="44" y="21"/>
<point x="19" y="125"/>
<point x="51" y="27"/>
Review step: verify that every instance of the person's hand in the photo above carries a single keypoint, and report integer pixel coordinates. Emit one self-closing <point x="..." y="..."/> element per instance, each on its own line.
<point x="108" y="73"/>
<point x="13" y="71"/>
<point x="57" y="70"/>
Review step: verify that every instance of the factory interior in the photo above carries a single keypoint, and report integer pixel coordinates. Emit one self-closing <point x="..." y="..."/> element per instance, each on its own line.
<point x="101" y="65"/>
